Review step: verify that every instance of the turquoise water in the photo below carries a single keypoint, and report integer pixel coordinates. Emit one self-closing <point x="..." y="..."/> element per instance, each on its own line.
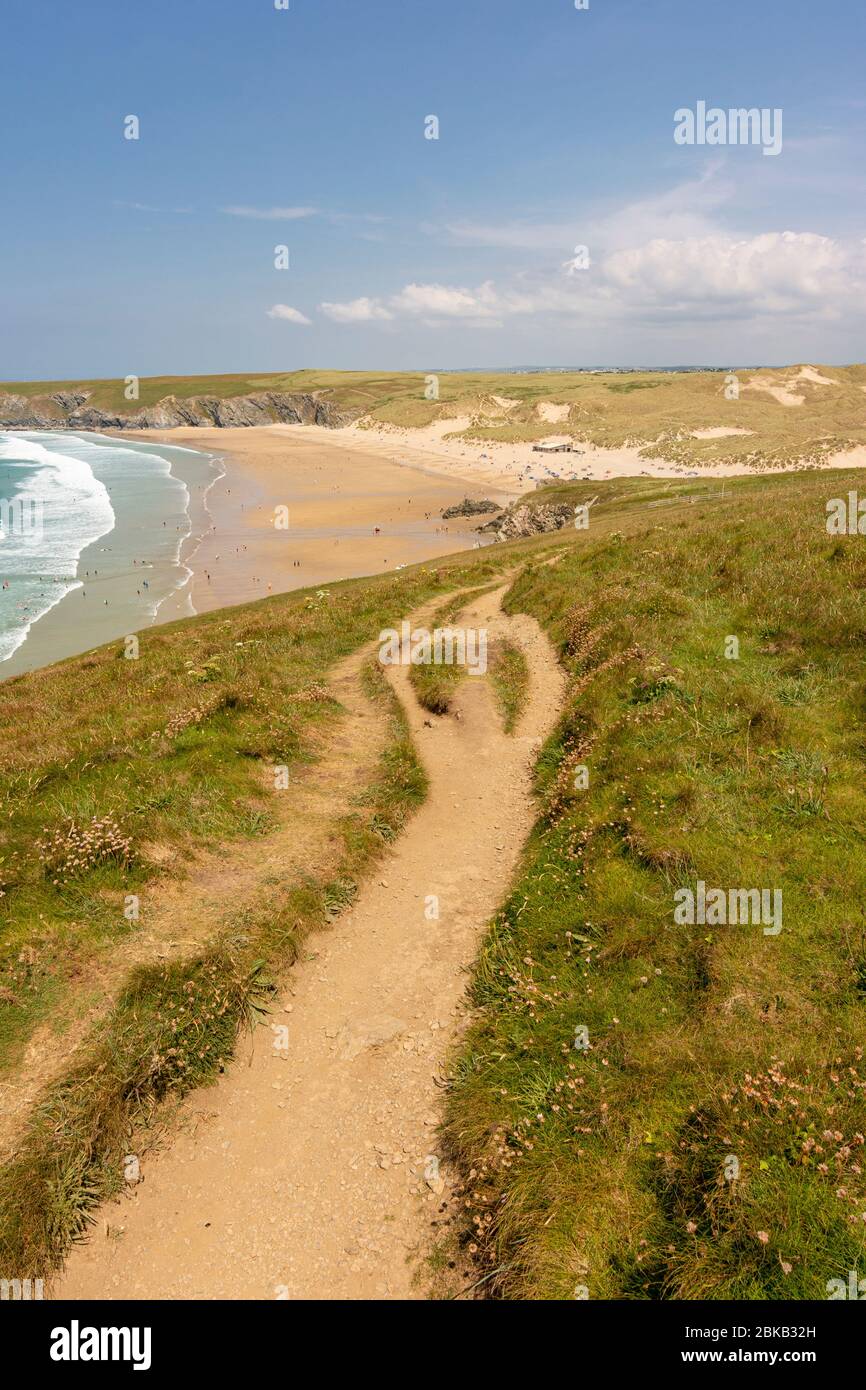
<point x="93" y="532"/>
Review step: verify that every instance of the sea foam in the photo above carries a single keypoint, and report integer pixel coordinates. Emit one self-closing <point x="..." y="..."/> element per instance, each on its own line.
<point x="41" y="565"/>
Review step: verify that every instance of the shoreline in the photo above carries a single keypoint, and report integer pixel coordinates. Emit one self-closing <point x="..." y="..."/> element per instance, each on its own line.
<point x="358" y="500"/>
<point x="132" y="577"/>
<point x="180" y="600"/>
<point x="350" y="513"/>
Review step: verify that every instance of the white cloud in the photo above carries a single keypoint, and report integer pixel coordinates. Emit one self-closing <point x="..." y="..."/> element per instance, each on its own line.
<point x="432" y="304"/>
<point x="356" y="217"/>
<point x="271" y="214"/>
<point x="361" y="310"/>
<point x="774" y="273"/>
<point x="286" y="312"/>
<point x="683" y="210"/>
<point x="447" y="301"/>
<point x="664" y="258"/>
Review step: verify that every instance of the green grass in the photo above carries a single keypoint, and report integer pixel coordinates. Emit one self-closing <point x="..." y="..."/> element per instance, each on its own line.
<point x="611" y="1167"/>
<point x="509" y="672"/>
<point x="175" y="750"/>
<point x="435" y="684"/>
<point x="175" y="1027"/>
<point x="108" y="394"/>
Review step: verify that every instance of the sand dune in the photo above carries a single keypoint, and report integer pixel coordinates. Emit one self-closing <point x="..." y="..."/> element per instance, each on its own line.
<point x="720" y="432"/>
<point x="551" y="413"/>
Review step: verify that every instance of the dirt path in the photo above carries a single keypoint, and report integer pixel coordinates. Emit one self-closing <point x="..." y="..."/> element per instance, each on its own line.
<point x="181" y="914"/>
<point x="302" y="1174"/>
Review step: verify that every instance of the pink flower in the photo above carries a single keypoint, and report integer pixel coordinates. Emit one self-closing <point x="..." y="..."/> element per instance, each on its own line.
<point x="763" y="1237"/>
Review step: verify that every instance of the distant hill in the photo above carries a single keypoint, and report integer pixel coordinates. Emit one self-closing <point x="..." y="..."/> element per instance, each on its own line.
<point x="751" y="418"/>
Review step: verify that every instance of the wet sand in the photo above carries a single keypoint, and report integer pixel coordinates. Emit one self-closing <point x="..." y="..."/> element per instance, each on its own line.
<point x="357" y="501"/>
<point x="115" y="593"/>
<point x="334" y="497"/>
<point x="349" y="514"/>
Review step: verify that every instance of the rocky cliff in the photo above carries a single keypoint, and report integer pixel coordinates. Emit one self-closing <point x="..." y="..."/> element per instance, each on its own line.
<point x="71" y="410"/>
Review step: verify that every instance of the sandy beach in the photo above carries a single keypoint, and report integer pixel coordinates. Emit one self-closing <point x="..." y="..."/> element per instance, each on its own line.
<point x="301" y="506"/>
<point x="340" y="485"/>
<point x="294" y="506"/>
<point x="516" y="468"/>
<point x="278" y="508"/>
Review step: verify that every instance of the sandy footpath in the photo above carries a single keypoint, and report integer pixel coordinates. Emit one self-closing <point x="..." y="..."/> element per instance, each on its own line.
<point x="313" y="1172"/>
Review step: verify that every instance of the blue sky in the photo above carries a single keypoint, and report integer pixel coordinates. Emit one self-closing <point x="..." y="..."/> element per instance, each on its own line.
<point x="261" y="127"/>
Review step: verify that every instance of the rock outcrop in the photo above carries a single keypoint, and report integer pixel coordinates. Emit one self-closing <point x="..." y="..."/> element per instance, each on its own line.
<point x="522" y="520"/>
<point x="469" y="508"/>
<point x="72" y="410"/>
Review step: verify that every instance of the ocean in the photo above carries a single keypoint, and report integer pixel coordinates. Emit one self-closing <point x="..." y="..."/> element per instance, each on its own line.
<point x="93" y="531"/>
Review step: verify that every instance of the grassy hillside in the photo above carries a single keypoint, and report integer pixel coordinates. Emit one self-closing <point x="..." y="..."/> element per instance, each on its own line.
<point x="606" y="1167"/>
<point x="117" y="775"/>
<point x="704" y="1137"/>
<point x="781" y="417"/>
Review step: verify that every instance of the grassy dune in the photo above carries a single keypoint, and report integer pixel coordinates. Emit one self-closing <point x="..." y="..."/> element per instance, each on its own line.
<point x="813" y="415"/>
<point x="707" y="1141"/>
